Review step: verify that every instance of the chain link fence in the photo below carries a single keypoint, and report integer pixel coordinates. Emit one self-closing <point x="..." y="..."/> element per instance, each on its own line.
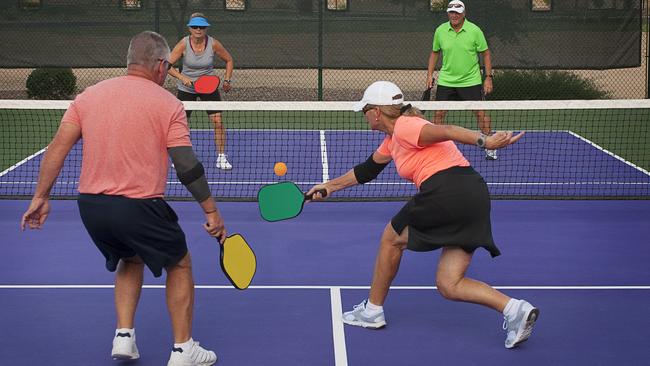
<point x="330" y="50"/>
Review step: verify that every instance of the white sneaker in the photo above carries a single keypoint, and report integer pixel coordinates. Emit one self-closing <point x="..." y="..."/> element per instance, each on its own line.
<point x="490" y="154"/>
<point x="222" y="162"/>
<point x="124" y="347"/>
<point x="194" y="356"/>
<point x="521" y="326"/>
<point x="358" y="318"/>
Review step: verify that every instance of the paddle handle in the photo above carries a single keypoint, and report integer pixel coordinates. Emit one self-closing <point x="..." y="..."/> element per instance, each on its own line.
<point x="426" y="96"/>
<point x="323" y="193"/>
<point x="216" y="237"/>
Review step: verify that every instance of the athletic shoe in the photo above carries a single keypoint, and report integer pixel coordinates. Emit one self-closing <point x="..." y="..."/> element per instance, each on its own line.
<point x="194" y="356"/>
<point x="222" y="162"/>
<point x="358" y="318"/>
<point x="124" y="347"/>
<point x="521" y="326"/>
<point x="490" y="154"/>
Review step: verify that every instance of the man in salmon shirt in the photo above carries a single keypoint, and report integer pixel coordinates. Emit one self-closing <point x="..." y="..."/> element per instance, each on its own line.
<point x="450" y="211"/>
<point x="130" y="127"/>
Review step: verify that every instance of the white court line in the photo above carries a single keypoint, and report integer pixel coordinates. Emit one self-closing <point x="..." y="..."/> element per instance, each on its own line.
<point x="22" y="161"/>
<point x="323" y="156"/>
<point x="338" y="288"/>
<point x="609" y="153"/>
<point x="340" y="351"/>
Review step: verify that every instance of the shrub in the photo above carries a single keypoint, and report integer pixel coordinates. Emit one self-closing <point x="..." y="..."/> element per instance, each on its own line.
<point x="543" y="85"/>
<point x="51" y="83"/>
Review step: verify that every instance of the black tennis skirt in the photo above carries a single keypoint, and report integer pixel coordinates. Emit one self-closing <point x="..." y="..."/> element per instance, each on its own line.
<point x="452" y="208"/>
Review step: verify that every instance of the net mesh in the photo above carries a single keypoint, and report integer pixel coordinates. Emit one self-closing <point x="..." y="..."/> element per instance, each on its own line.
<point x="571" y="150"/>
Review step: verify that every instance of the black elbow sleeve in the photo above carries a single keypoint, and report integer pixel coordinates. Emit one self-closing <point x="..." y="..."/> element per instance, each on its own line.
<point x="368" y="170"/>
<point x="195" y="182"/>
<point x="189" y="176"/>
<point x="190" y="172"/>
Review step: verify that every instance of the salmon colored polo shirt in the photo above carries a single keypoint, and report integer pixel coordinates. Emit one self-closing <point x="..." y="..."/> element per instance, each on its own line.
<point x="127" y="123"/>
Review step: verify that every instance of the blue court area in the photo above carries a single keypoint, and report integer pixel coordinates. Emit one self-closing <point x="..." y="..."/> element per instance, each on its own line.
<point x="543" y="164"/>
<point x="583" y="263"/>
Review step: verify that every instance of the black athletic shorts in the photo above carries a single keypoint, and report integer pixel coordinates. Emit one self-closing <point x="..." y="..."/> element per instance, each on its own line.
<point x="123" y="227"/>
<point x="193" y="97"/>
<point x="444" y="93"/>
<point x="452" y="208"/>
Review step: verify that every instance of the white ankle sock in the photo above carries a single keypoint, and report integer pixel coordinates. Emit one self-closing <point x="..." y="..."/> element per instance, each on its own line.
<point x="372" y="309"/>
<point x="185" y="346"/>
<point x="510" y="310"/>
<point x="131" y="331"/>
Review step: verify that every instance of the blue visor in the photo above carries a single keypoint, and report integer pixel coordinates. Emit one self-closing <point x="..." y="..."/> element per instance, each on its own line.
<point x="198" y="22"/>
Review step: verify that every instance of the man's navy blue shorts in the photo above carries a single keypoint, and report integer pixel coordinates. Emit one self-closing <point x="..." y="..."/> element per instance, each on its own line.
<point x="123" y="227"/>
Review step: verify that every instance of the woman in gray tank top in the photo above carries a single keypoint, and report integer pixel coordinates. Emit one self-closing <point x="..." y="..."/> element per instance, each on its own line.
<point x="198" y="51"/>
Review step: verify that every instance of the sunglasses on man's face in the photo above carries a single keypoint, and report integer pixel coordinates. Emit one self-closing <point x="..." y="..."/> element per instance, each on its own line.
<point x="198" y="27"/>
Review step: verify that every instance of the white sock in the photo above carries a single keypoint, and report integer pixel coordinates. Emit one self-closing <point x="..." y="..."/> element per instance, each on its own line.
<point x="510" y="311"/>
<point x="372" y="309"/>
<point x="131" y="331"/>
<point x="185" y="346"/>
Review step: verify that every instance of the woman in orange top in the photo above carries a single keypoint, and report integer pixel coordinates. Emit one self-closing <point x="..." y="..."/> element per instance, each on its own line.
<point x="450" y="211"/>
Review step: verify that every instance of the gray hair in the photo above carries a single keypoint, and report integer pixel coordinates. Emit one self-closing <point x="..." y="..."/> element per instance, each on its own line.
<point x="146" y="49"/>
<point x="194" y="15"/>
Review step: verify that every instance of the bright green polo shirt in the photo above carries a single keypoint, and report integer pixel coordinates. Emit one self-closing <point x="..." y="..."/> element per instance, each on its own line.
<point x="460" y="66"/>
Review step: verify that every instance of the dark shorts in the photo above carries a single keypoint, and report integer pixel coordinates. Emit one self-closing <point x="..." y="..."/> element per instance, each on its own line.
<point x="192" y="97"/>
<point x="123" y="227"/>
<point x="452" y="208"/>
<point x="444" y="93"/>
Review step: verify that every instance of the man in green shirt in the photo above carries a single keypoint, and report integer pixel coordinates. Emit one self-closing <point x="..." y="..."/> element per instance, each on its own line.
<point x="461" y="41"/>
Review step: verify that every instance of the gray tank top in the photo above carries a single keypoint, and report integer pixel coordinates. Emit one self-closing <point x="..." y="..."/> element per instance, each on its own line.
<point x="195" y="65"/>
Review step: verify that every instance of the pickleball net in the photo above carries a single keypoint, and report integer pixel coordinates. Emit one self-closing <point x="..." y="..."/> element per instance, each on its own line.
<point x="572" y="149"/>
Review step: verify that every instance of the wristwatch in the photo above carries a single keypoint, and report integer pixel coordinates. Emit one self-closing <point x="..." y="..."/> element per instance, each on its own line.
<point x="480" y="142"/>
<point x="227" y="81"/>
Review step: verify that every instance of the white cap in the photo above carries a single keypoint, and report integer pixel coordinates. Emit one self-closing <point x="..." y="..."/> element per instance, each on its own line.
<point x="456" y="6"/>
<point x="380" y="93"/>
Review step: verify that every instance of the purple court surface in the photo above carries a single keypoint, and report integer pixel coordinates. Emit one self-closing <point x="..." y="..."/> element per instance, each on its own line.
<point x="583" y="263"/>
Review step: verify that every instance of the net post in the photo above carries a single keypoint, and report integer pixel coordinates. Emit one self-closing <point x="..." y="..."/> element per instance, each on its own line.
<point x="320" y="49"/>
<point x="644" y="6"/>
<point x="157" y="17"/>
